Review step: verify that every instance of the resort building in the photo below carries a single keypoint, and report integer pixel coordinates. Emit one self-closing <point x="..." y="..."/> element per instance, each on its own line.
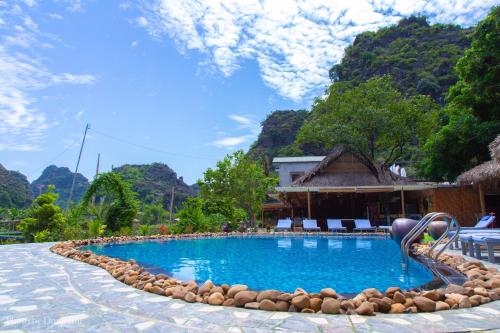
<point x="347" y="185"/>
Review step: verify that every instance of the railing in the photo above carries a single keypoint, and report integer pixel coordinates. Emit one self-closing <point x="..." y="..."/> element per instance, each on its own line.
<point x="418" y="229"/>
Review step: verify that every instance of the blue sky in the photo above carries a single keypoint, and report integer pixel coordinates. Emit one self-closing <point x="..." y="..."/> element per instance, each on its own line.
<point x="179" y="82"/>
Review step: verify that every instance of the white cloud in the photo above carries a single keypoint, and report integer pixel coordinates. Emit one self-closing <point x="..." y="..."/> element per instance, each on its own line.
<point x="22" y="125"/>
<point x="134" y="44"/>
<point x="55" y="16"/>
<point x="230" y="142"/>
<point x="295" y="42"/>
<point x="247" y="125"/>
<point x="79" y="115"/>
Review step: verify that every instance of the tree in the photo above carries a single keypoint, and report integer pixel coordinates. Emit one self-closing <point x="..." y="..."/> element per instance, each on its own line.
<point x="471" y="120"/>
<point x="237" y="183"/>
<point x="46" y="220"/>
<point x="122" y="206"/>
<point x="374" y="118"/>
<point x="154" y="214"/>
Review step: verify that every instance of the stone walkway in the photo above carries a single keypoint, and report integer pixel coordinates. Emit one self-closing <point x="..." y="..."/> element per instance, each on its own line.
<point x="44" y="292"/>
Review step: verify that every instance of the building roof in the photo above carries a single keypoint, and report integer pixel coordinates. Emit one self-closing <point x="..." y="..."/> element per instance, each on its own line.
<point x="376" y="175"/>
<point x="486" y="171"/>
<point x="298" y="159"/>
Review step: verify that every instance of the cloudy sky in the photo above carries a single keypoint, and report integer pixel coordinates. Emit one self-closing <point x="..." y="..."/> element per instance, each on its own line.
<point x="182" y="82"/>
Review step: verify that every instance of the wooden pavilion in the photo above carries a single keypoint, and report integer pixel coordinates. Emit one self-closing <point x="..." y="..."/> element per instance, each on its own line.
<point x="348" y="185"/>
<point x="485" y="178"/>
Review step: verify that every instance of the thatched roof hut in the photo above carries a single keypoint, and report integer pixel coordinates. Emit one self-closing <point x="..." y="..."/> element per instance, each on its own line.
<point x="484" y="172"/>
<point x="350" y="172"/>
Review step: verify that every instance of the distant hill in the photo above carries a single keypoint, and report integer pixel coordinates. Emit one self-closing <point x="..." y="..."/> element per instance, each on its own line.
<point x="15" y="189"/>
<point x="278" y="133"/>
<point x="420" y="57"/>
<point x="153" y="183"/>
<point x="61" y="178"/>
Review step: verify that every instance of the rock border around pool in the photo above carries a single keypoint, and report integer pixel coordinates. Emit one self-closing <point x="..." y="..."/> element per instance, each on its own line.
<point x="482" y="285"/>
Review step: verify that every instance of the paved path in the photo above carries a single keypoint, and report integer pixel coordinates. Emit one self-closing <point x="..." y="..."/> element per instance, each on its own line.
<point x="44" y="292"/>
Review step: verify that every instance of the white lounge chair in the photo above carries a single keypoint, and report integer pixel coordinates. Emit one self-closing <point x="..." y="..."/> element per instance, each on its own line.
<point x="335" y="225"/>
<point x="490" y="241"/>
<point x="310" y="225"/>
<point x="363" y="225"/>
<point x="283" y="225"/>
<point x="481" y="225"/>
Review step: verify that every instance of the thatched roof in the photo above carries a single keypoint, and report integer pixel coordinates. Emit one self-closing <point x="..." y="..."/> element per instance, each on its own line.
<point x="375" y="176"/>
<point x="486" y="171"/>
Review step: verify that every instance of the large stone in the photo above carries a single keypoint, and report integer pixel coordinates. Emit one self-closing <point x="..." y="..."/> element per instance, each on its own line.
<point x="205" y="287"/>
<point x="271" y="295"/>
<point x="464" y="303"/>
<point x="432" y="295"/>
<point x="330" y="306"/>
<point x="424" y="304"/>
<point x="252" y="305"/>
<point x="178" y="292"/>
<point x="236" y="289"/>
<point x="157" y="290"/>
<point x="328" y="292"/>
<point x="475" y="300"/>
<point x="245" y="296"/>
<point x="315" y="304"/>
<point x="282" y="306"/>
<point x="456" y="289"/>
<point x="365" y="309"/>
<point x="397" y="308"/>
<point x="442" y="306"/>
<point x="372" y="293"/>
<point x="229" y="302"/>
<point x="481" y="291"/>
<point x="391" y="291"/>
<point x="383" y="304"/>
<point x="301" y="301"/>
<point x="216" y="299"/>
<point x="267" y="305"/>
<point x="190" y="297"/>
<point x="286" y="297"/>
<point x="399" y="298"/>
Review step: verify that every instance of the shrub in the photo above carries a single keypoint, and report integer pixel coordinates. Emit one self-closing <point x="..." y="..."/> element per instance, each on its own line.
<point x="96" y="228"/>
<point x="144" y="230"/>
<point x="163" y="229"/>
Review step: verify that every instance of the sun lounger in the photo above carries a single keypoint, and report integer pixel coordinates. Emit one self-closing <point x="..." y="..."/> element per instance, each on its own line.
<point x="284" y="225"/>
<point x="335" y="225"/>
<point x="483" y="223"/>
<point x="310" y="225"/>
<point x="467" y="239"/>
<point x="363" y="225"/>
<point x="490" y="241"/>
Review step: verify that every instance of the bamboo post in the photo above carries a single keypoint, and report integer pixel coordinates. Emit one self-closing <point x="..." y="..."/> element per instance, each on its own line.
<point x="309" y="205"/>
<point x="481" y="199"/>
<point x="403" y="203"/>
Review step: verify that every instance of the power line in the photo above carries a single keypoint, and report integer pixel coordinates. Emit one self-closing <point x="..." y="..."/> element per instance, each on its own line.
<point x="152" y="149"/>
<point x="53" y="159"/>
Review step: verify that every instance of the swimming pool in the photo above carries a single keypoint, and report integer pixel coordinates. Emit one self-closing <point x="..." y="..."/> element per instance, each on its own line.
<point x="346" y="264"/>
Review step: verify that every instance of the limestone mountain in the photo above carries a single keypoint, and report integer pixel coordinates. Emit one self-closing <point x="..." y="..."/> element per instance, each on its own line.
<point x="153" y="183"/>
<point x="61" y="178"/>
<point x="15" y="189"/>
<point x="278" y="134"/>
<point x="420" y="57"/>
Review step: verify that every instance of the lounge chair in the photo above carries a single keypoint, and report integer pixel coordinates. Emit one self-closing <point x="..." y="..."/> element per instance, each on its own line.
<point x="335" y="225"/>
<point x="483" y="223"/>
<point x="310" y="225"/>
<point x="467" y="238"/>
<point x="490" y="241"/>
<point x="283" y="225"/>
<point x="363" y="225"/>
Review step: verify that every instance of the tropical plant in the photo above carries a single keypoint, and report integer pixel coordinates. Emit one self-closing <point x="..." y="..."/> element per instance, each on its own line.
<point x="121" y="204"/>
<point x="96" y="228"/>
<point x="45" y="219"/>
<point x="144" y="230"/>
<point x="154" y="214"/>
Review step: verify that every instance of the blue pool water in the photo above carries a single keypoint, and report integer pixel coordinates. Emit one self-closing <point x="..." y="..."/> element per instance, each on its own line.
<point x="345" y="264"/>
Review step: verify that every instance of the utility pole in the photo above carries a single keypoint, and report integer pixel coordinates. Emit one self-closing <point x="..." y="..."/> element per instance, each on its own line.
<point x="77" y="165"/>
<point x="172" y="202"/>
<point x="96" y="174"/>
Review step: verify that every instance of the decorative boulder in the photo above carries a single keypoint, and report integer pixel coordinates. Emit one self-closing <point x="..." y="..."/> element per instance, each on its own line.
<point x="401" y="227"/>
<point x="437" y="229"/>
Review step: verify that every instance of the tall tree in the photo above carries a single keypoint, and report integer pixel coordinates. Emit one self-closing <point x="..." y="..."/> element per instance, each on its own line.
<point x="472" y="117"/>
<point x="373" y="118"/>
